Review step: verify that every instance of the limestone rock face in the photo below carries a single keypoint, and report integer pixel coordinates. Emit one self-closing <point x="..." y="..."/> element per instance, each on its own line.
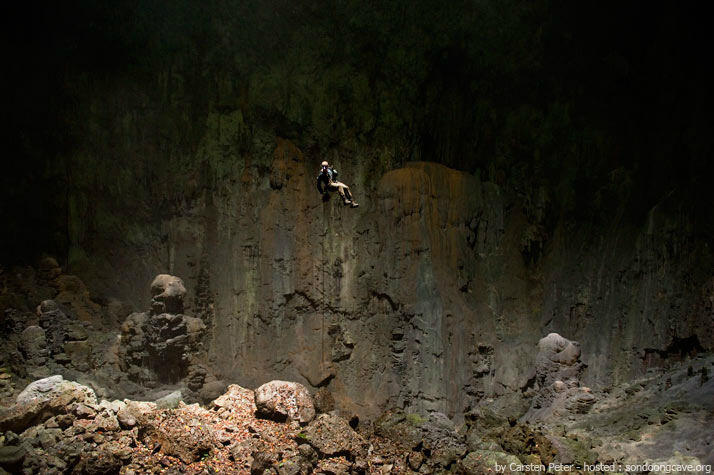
<point x="432" y="294"/>
<point x="284" y="400"/>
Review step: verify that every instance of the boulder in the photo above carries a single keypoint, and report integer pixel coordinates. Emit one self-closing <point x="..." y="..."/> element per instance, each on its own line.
<point x="34" y="345"/>
<point x="11" y="457"/>
<point x="263" y="460"/>
<point x="558" y="359"/>
<point x="105" y="422"/>
<point x="126" y="419"/>
<point x="557" y="381"/>
<point x="332" y="436"/>
<point x="43" y="399"/>
<point x="284" y="401"/>
<point x="212" y="390"/>
<point x="49" y="388"/>
<point x="139" y="411"/>
<point x="167" y="293"/>
<point x="170" y="401"/>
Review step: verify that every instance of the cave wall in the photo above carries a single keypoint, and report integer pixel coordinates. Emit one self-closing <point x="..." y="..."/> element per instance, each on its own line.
<point x="185" y="142"/>
<point x="431" y="295"/>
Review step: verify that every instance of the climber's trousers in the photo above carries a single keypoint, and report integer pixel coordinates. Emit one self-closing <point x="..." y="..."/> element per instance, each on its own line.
<point x="342" y="189"/>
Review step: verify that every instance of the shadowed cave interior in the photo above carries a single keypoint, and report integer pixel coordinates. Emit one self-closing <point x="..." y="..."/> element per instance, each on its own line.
<point x="526" y="284"/>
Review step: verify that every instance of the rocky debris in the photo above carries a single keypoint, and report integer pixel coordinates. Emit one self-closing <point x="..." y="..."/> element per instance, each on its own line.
<point x="80" y="435"/>
<point x="183" y="434"/>
<point x="434" y="434"/>
<point x="284" y="401"/>
<point x="332" y="436"/>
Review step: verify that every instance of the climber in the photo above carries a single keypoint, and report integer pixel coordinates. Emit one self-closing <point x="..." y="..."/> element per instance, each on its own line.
<point x="327" y="177"/>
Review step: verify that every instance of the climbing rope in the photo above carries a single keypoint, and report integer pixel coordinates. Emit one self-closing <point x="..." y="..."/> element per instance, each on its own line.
<point x="324" y="295"/>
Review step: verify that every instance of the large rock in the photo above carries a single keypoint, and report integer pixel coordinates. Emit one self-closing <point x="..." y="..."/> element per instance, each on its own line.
<point x="54" y="321"/>
<point x="332" y="436"/>
<point x="43" y="399"/>
<point x="169" y="401"/>
<point x="557" y="380"/>
<point x="11" y="457"/>
<point x="158" y="346"/>
<point x="236" y="398"/>
<point x="558" y="359"/>
<point x="34" y="345"/>
<point x="54" y="386"/>
<point x="284" y="401"/>
<point x="167" y="293"/>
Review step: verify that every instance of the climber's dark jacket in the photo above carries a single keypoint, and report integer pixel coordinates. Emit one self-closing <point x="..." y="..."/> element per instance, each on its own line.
<point x="326" y="178"/>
